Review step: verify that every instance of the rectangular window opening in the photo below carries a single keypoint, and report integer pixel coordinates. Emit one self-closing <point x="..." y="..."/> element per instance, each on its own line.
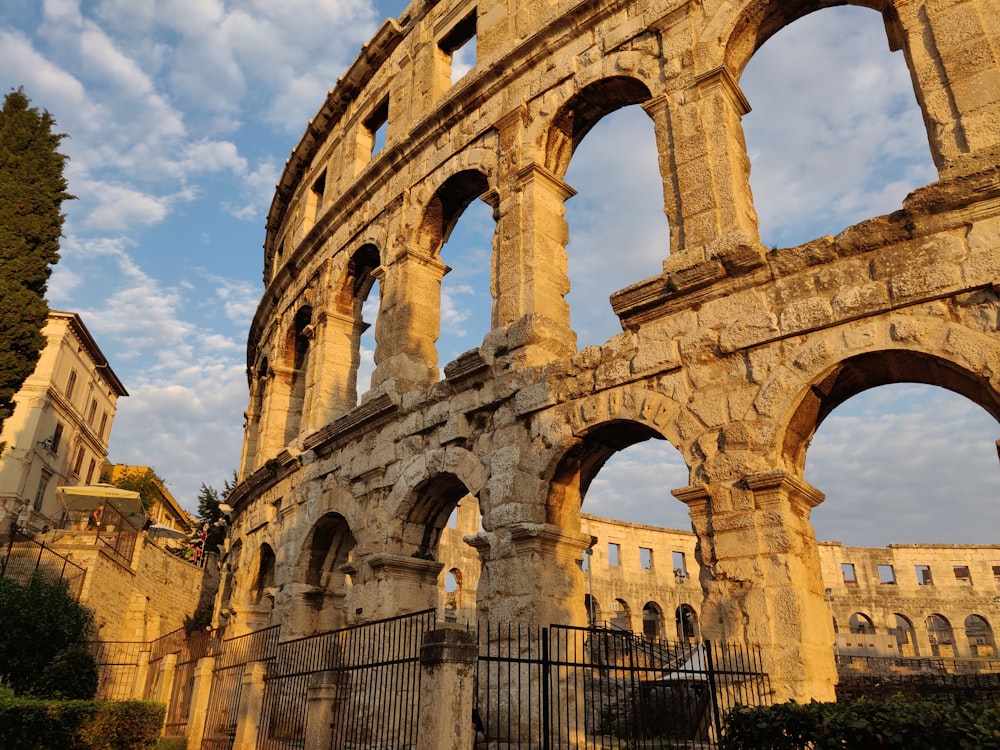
<point x="43" y="484"/>
<point x="56" y="438"/>
<point x="92" y="411"/>
<point x="376" y="125"/>
<point x="996" y="573"/>
<point x="850" y="574"/>
<point x="886" y="574"/>
<point x="646" y="558"/>
<point x="962" y="573"/>
<point x="614" y="554"/>
<point x="680" y="565"/>
<point x="90" y="471"/>
<point x="104" y="424"/>
<point x="460" y="45"/>
<point x="78" y="463"/>
<point x="71" y="384"/>
<point x="316" y="197"/>
<point x="924" y="575"/>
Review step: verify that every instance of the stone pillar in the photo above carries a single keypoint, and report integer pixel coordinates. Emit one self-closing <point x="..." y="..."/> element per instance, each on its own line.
<point x="760" y="573"/>
<point x="164" y="687"/>
<point x="325" y="697"/>
<point x="448" y="658"/>
<point x="397" y="585"/>
<point x="249" y="713"/>
<point x="333" y="370"/>
<point x="700" y="126"/>
<point x="141" y="676"/>
<point x="531" y="277"/>
<point x="200" y="691"/>
<point x="271" y="438"/>
<point x="409" y="323"/>
<point x="953" y="52"/>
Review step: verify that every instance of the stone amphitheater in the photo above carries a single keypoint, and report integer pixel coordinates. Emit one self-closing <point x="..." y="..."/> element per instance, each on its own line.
<point x="734" y="353"/>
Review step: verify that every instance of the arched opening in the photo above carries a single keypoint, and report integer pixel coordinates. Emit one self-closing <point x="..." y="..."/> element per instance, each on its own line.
<point x="980" y="636"/>
<point x="461" y="565"/>
<point x="906" y="636"/>
<point x="835" y="134"/>
<point x="322" y="576"/>
<point x="452" y="600"/>
<point x="941" y="636"/>
<point x="686" y="623"/>
<point x="619" y="204"/>
<point x="595" y="616"/>
<point x="458" y="317"/>
<point x="861" y="624"/>
<point x="899" y="460"/>
<point x="359" y="303"/>
<point x="621" y="615"/>
<point x="295" y="359"/>
<point x="263" y="582"/>
<point x="433" y="502"/>
<point x="652" y="621"/>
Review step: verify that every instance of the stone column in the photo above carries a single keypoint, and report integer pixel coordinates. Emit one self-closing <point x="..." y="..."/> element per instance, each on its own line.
<point x="397" y="585"/>
<point x="409" y="323"/>
<point x="531" y="278"/>
<point x="141" y="675"/>
<point x="760" y="573"/>
<point x="165" y="680"/>
<point x="333" y="370"/>
<point x="325" y="697"/>
<point x="249" y="712"/>
<point x="200" y="691"/>
<point x="953" y="51"/>
<point x="271" y="438"/>
<point x="448" y="658"/>
<point x="700" y="127"/>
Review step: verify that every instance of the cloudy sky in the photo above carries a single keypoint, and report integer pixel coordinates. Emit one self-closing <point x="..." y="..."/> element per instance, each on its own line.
<point x="182" y="112"/>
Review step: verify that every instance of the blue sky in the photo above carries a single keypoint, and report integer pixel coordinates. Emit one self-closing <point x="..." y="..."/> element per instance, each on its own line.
<point x="182" y="112"/>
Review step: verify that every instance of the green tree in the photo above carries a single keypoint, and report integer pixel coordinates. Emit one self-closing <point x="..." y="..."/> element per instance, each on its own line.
<point x="209" y="510"/>
<point x="44" y="637"/>
<point x="141" y="479"/>
<point x="32" y="189"/>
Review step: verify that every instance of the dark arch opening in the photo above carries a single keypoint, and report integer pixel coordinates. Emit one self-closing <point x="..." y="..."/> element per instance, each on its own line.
<point x="434" y="500"/>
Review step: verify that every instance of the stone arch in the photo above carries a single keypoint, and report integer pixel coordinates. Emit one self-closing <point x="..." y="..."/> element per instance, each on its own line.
<point x="593" y="610"/>
<point x="622" y="618"/>
<point x="979" y="632"/>
<point x="601" y="425"/>
<point x="686" y="622"/>
<point x="295" y="356"/>
<point x="861" y="624"/>
<point x="941" y="636"/>
<point x="652" y="620"/>
<point x="906" y="635"/>
<point x="582" y="111"/>
<point x="445" y="207"/>
<point x="320" y="583"/>
<point x="843" y="374"/>
<point x="262" y="584"/>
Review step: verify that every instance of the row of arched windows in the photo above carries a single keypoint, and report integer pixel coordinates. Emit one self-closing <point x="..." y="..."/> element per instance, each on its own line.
<point x="940" y="634"/>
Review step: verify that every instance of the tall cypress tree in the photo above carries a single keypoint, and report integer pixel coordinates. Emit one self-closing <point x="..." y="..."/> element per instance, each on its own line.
<point x="32" y="189"/>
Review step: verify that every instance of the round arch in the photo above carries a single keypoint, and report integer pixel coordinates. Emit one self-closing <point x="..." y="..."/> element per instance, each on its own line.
<point x="941" y="636"/>
<point x="906" y="635"/>
<point x="686" y="622"/>
<point x="582" y="111"/>
<point x="979" y="633"/>
<point x="818" y="394"/>
<point x="652" y="620"/>
<point x="861" y="624"/>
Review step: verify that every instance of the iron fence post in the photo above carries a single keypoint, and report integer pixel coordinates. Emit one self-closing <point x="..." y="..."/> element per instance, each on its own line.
<point x="713" y="688"/>
<point x="546" y="675"/>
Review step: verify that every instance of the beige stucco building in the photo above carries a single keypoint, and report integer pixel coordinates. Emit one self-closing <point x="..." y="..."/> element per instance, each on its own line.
<point x="58" y="433"/>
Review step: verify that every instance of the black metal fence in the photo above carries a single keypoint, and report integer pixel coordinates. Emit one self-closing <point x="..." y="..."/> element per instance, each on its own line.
<point x="600" y="688"/>
<point x="195" y="647"/>
<point x="118" y="668"/>
<point x="956" y="689"/>
<point x="373" y="671"/>
<point x="227" y="683"/>
<point x="22" y="556"/>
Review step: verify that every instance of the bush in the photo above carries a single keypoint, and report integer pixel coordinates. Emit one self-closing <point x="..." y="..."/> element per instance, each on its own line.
<point x="71" y="675"/>
<point x="39" y="624"/>
<point x="31" y="724"/>
<point x="894" y="724"/>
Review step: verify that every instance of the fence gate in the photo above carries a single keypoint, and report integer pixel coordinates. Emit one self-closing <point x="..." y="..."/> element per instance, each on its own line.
<point x="604" y="688"/>
<point x="227" y="683"/>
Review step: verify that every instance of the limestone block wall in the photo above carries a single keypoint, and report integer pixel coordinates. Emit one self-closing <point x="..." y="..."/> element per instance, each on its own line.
<point x="157" y="594"/>
<point x="734" y="354"/>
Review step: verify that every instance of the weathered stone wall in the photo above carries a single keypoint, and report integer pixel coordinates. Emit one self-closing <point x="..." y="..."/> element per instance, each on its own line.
<point x="734" y="354"/>
<point x="156" y="594"/>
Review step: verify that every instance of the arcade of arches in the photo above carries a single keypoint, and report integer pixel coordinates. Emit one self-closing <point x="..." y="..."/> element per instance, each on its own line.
<point x="734" y="354"/>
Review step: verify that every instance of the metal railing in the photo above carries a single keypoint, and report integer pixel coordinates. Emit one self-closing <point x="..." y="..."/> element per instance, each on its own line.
<point x="24" y="555"/>
<point x="117" y="667"/>
<point x="374" y="669"/>
<point x="227" y="683"/>
<point x="195" y="647"/>
<point x="955" y="688"/>
<point x="588" y="688"/>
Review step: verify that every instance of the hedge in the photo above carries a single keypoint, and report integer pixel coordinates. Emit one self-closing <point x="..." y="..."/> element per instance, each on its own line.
<point x="31" y="724"/>
<point x="893" y="724"/>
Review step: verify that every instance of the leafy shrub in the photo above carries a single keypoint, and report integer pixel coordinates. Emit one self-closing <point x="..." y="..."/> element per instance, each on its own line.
<point x="71" y="675"/>
<point x="171" y="743"/>
<point x="31" y="724"/>
<point x="38" y="622"/>
<point x="894" y="724"/>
